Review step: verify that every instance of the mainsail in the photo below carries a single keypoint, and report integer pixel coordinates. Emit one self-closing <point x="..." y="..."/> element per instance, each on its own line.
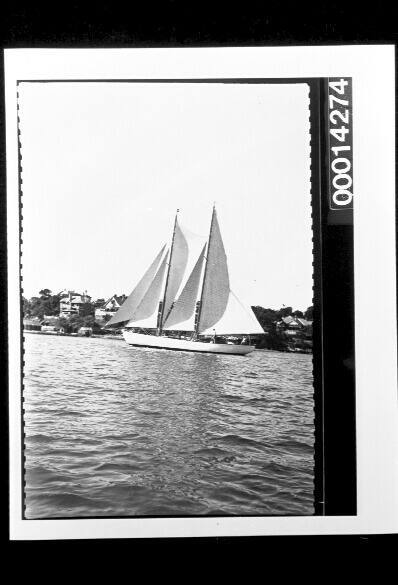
<point x="182" y="312"/>
<point x="127" y="310"/>
<point x="178" y="263"/>
<point x="215" y="291"/>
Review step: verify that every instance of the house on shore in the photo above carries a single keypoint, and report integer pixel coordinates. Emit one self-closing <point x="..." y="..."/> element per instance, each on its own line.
<point x="109" y="308"/>
<point x="33" y="324"/>
<point x="49" y="324"/>
<point x="72" y="303"/>
<point x="296" y="330"/>
<point x="291" y="325"/>
<point x="85" y="331"/>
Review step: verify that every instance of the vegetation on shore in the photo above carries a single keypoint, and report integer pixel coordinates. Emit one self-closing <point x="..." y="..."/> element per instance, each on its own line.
<point x="276" y="338"/>
<point x="48" y="305"/>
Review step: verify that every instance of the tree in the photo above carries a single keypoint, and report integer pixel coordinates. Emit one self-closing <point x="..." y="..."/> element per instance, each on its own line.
<point x="285" y="312"/>
<point x="299" y="314"/>
<point x="46" y="304"/>
<point x="77" y="321"/>
<point x="267" y="319"/>
<point x="309" y="313"/>
<point x="88" y="321"/>
<point x="74" y="322"/>
<point x="87" y="309"/>
<point x="26" y="307"/>
<point x="264" y="316"/>
<point x="65" y="325"/>
<point x="51" y="305"/>
<point x="36" y="307"/>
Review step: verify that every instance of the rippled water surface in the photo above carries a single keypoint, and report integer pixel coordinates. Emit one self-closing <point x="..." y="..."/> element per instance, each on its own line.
<point x="112" y="430"/>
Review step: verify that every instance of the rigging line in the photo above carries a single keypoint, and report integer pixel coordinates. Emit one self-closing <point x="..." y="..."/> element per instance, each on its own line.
<point x="247" y="311"/>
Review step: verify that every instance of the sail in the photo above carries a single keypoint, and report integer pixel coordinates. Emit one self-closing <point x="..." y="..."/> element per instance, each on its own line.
<point x="178" y="263"/>
<point x="182" y="314"/>
<point x="215" y="292"/>
<point x="130" y="305"/>
<point x="236" y="319"/>
<point x="148" y="307"/>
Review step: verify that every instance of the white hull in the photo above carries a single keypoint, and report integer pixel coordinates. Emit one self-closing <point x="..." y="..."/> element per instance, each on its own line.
<point x="161" y="342"/>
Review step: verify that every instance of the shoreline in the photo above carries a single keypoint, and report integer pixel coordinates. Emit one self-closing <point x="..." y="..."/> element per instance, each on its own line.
<point x="120" y="338"/>
<point x="58" y="334"/>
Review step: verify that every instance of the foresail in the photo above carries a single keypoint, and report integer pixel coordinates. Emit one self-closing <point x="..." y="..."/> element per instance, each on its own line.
<point x="216" y="281"/>
<point x="178" y="263"/>
<point x="237" y="319"/>
<point x="126" y="311"/>
<point x="149" y="305"/>
<point x="182" y="314"/>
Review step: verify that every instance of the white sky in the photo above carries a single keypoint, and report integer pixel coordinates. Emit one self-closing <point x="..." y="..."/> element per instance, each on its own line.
<point x="106" y="165"/>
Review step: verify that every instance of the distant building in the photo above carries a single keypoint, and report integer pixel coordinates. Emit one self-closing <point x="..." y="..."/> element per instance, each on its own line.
<point x="72" y="303"/>
<point x="33" y="324"/>
<point x="297" y="332"/>
<point x="294" y="326"/>
<point x="51" y="324"/>
<point x="109" y="308"/>
<point x="48" y="324"/>
<point x="85" y="331"/>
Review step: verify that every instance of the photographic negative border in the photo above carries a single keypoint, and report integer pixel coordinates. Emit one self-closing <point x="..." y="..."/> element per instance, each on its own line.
<point x="333" y="362"/>
<point x="375" y="271"/>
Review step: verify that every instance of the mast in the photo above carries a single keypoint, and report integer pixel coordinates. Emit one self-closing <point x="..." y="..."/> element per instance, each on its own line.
<point x="205" y="272"/>
<point x="159" y="331"/>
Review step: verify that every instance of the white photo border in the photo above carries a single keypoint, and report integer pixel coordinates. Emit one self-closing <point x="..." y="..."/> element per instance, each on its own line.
<point x="372" y="70"/>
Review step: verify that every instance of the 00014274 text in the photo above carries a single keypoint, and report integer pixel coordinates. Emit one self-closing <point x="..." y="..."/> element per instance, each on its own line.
<point x="340" y="143"/>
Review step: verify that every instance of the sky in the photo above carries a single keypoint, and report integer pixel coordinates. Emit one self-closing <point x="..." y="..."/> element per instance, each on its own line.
<point x="106" y="165"/>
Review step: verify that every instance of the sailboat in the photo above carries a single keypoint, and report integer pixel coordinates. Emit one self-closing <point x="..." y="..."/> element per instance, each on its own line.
<point x="177" y="308"/>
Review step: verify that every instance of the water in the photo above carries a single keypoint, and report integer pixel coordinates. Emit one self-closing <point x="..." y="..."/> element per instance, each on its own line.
<point x="112" y="430"/>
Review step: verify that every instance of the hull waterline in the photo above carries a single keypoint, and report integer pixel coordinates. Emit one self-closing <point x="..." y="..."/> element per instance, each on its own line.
<point x="162" y="342"/>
